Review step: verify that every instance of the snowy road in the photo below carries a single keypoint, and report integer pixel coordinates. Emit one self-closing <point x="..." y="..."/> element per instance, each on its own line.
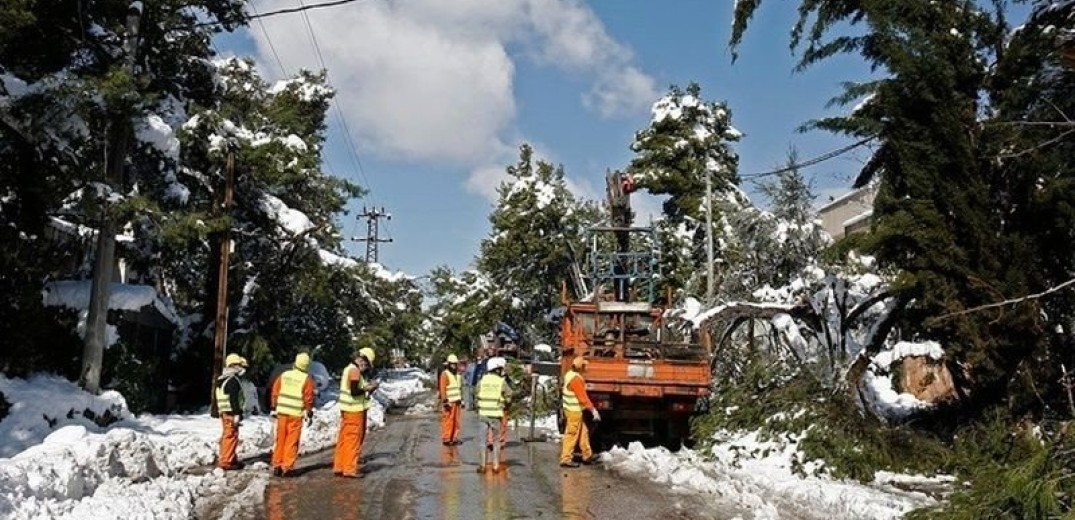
<point x="411" y="475"/>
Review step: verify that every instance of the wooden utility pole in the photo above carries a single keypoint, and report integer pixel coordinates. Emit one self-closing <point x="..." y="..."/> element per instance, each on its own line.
<point x="372" y="239"/>
<point x="119" y="135"/>
<point x="220" y="330"/>
<point x="709" y="282"/>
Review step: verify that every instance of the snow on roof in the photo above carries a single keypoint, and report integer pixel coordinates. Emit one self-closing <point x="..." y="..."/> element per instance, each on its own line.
<point x="858" y="218"/>
<point x="75" y="294"/>
<point x="843" y="198"/>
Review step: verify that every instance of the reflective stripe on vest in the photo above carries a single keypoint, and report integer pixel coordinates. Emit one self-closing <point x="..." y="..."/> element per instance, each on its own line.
<point x="455" y="387"/>
<point x="223" y="403"/>
<point x="570" y="400"/>
<point x="289" y="401"/>
<point x="491" y="396"/>
<point x="348" y="402"/>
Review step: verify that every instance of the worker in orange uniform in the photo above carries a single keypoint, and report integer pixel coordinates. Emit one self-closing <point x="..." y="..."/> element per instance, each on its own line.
<point x="354" y="401"/>
<point x="574" y="401"/>
<point x="230" y="403"/>
<point x="292" y="398"/>
<point x="450" y="393"/>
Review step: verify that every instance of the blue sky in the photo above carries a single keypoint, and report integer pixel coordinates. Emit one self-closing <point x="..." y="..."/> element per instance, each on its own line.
<point x="491" y="75"/>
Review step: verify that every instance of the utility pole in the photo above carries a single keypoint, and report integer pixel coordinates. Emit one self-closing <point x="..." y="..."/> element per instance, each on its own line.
<point x="709" y="282"/>
<point x="220" y="330"/>
<point x="372" y="216"/>
<point x="120" y="133"/>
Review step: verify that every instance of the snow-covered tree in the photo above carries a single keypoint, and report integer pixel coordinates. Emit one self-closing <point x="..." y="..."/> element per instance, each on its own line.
<point x="465" y="306"/>
<point x="687" y="140"/>
<point x="537" y="229"/>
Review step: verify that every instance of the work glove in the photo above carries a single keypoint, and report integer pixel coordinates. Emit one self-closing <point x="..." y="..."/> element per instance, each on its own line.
<point x="596" y="415"/>
<point x="447" y="406"/>
<point x="238" y="420"/>
<point x="309" y="417"/>
<point x="272" y="414"/>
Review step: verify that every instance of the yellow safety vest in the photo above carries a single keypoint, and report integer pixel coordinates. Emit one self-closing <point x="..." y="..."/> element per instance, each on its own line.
<point x="491" y="396"/>
<point x="289" y="401"/>
<point x="569" y="400"/>
<point x="348" y="402"/>
<point x="223" y="403"/>
<point x="455" y="387"/>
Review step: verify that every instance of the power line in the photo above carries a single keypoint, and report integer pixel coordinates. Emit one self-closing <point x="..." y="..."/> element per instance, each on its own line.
<point x="302" y="8"/>
<point x="264" y="31"/>
<point x="809" y="162"/>
<point x="290" y="10"/>
<point x="356" y="159"/>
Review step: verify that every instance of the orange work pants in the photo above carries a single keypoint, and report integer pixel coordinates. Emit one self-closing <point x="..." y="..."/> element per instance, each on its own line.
<point x="286" y="450"/>
<point x="449" y="422"/>
<point x="229" y="441"/>
<point x="578" y="433"/>
<point x="349" y="443"/>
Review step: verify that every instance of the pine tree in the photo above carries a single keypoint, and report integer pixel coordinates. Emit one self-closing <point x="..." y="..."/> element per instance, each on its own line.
<point x="687" y="139"/>
<point x="536" y="224"/>
<point x="964" y="185"/>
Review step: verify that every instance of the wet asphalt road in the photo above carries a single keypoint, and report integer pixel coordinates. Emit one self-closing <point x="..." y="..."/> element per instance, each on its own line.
<point x="410" y="475"/>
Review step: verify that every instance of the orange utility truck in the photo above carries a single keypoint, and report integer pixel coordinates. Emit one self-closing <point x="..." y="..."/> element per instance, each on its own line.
<point x="646" y="379"/>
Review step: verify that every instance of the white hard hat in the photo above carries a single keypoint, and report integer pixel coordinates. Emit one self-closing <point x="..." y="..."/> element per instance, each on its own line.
<point x="495" y="363"/>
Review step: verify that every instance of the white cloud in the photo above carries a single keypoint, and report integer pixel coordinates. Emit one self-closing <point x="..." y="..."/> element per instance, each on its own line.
<point x="430" y="81"/>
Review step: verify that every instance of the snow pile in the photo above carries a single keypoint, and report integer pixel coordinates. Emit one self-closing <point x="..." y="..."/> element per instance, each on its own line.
<point x="46" y="402"/>
<point x="879" y="391"/>
<point x="82" y="470"/>
<point x="757" y="478"/>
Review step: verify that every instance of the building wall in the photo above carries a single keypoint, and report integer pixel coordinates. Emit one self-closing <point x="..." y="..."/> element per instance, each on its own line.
<point x="855" y="204"/>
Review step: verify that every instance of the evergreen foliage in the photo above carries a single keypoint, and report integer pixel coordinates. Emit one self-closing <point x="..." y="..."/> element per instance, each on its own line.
<point x="971" y="119"/>
<point x="965" y="184"/>
<point x="63" y="92"/>
<point x="537" y="229"/>
<point x="687" y="139"/>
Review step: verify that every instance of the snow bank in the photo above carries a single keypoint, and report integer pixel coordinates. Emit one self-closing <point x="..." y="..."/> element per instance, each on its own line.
<point x="757" y="478"/>
<point x="46" y="402"/>
<point x="69" y="467"/>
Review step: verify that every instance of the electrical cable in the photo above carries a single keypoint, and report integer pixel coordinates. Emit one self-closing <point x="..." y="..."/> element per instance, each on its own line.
<point x="809" y="162"/>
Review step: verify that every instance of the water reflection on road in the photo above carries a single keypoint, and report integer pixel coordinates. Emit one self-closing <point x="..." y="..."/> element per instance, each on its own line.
<point x="411" y="475"/>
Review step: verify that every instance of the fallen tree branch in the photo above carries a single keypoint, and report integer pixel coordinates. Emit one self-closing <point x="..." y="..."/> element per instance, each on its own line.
<point x="1004" y="303"/>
